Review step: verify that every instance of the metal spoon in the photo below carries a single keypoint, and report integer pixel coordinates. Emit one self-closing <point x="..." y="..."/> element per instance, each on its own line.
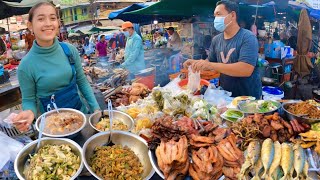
<point x="42" y="124"/>
<point x="36" y="149"/>
<point x="110" y="112"/>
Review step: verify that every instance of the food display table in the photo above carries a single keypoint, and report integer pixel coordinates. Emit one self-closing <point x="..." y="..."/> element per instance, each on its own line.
<point x="10" y="94"/>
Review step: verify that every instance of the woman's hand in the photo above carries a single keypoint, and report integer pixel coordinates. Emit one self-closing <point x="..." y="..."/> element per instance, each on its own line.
<point x="23" y="120"/>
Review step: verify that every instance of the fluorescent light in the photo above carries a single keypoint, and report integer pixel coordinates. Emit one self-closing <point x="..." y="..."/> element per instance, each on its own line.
<point x="155" y="22"/>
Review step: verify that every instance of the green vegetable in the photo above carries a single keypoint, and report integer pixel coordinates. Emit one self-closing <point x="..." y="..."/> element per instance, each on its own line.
<point x="158" y="98"/>
<point x="231" y="119"/>
<point x="52" y="162"/>
<point x="234" y="114"/>
<point x="315" y="126"/>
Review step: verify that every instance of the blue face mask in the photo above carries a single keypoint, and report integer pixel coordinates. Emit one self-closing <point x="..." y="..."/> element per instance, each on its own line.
<point x="219" y="23"/>
<point x="126" y="33"/>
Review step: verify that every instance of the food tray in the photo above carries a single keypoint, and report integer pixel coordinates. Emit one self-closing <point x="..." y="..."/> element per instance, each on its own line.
<point x="13" y="132"/>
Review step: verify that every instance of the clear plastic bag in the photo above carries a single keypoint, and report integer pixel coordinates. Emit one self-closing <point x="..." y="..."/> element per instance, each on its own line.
<point x="217" y="97"/>
<point x="8" y="121"/>
<point x="193" y="80"/>
<point x="12" y="148"/>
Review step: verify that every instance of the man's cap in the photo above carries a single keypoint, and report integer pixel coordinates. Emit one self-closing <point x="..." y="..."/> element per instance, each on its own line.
<point x="127" y="24"/>
<point x="170" y="28"/>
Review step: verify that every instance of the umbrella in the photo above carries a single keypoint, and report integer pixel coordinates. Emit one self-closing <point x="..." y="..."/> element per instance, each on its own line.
<point x="302" y="64"/>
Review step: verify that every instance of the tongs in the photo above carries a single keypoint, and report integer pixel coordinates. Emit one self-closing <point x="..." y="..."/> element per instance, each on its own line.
<point x="110" y="112"/>
<point x="198" y="125"/>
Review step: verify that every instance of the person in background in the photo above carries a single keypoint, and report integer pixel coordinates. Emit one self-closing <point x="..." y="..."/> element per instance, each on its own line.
<point x="51" y="70"/>
<point x="174" y="40"/>
<point x="134" y="52"/>
<point x="233" y="53"/>
<point x="276" y="35"/>
<point x="3" y="46"/>
<point x="8" y="44"/>
<point x="101" y="48"/>
<point x="29" y="39"/>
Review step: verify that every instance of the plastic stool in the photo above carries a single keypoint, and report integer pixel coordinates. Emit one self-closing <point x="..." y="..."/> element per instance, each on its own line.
<point x="275" y="67"/>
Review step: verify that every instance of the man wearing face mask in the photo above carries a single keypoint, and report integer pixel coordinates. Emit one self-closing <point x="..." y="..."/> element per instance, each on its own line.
<point x="133" y="53"/>
<point x="233" y="53"/>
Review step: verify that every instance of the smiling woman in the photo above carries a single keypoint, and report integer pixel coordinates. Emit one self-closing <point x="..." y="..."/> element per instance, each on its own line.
<point x="44" y="23"/>
<point x="51" y="74"/>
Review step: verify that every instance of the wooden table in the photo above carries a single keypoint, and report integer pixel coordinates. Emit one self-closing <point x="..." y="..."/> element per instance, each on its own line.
<point x="10" y="94"/>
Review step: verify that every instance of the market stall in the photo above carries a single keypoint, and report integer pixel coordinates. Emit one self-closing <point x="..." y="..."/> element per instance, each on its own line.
<point x="185" y="128"/>
<point x="225" y="137"/>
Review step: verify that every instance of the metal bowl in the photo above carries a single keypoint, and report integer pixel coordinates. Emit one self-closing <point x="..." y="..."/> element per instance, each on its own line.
<point x="137" y="144"/>
<point x="118" y="115"/>
<point x="23" y="155"/>
<point x="268" y="81"/>
<point x="154" y="162"/>
<point x="291" y="116"/>
<point x="243" y="106"/>
<point x="68" y="135"/>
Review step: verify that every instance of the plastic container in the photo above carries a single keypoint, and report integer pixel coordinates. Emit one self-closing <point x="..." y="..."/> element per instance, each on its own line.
<point x="146" y="77"/>
<point x="272" y="93"/>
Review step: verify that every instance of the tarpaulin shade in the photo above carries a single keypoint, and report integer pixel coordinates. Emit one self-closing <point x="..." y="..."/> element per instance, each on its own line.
<point x="118" y="14"/>
<point x="8" y="11"/>
<point x="141" y="19"/>
<point x="104" y="29"/>
<point x="178" y="8"/>
<point x="302" y="63"/>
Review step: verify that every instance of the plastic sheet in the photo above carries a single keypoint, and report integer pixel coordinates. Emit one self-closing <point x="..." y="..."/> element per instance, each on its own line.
<point x="12" y="148"/>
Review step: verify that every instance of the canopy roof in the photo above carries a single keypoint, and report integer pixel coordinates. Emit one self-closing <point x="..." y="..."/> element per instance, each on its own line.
<point x="104" y="29"/>
<point x="178" y="8"/>
<point x="118" y="14"/>
<point x="8" y="11"/>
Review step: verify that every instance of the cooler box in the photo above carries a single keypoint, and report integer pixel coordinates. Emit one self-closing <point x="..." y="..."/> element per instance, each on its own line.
<point x="273" y="50"/>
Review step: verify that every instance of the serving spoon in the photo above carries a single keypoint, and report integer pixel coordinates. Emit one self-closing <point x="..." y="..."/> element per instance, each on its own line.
<point x="110" y="112"/>
<point x="37" y="147"/>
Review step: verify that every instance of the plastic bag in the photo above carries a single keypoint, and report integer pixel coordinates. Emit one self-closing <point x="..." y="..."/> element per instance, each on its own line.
<point x="12" y="148"/>
<point x="173" y="86"/>
<point x="217" y="97"/>
<point x="8" y="121"/>
<point x="193" y="80"/>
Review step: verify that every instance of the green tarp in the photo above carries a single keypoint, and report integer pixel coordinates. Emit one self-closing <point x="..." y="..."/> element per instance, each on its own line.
<point x="179" y="8"/>
<point x="104" y="29"/>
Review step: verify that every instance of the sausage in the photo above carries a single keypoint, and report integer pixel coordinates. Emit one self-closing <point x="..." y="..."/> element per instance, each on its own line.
<point x="306" y="126"/>
<point x="294" y="126"/>
<point x="287" y="125"/>
<point x="300" y="127"/>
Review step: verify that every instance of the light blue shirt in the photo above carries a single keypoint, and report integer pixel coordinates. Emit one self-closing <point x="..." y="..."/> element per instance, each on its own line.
<point x="134" y="54"/>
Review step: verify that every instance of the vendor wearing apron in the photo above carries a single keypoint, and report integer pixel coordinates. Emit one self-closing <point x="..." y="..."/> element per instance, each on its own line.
<point x="51" y="73"/>
<point x="233" y="53"/>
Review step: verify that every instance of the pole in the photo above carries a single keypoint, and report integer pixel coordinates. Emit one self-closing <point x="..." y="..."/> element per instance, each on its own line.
<point x="8" y="31"/>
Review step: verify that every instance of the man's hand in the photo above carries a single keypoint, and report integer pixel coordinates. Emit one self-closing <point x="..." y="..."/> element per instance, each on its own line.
<point x="23" y="120"/>
<point x="202" y="65"/>
<point x="188" y="63"/>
